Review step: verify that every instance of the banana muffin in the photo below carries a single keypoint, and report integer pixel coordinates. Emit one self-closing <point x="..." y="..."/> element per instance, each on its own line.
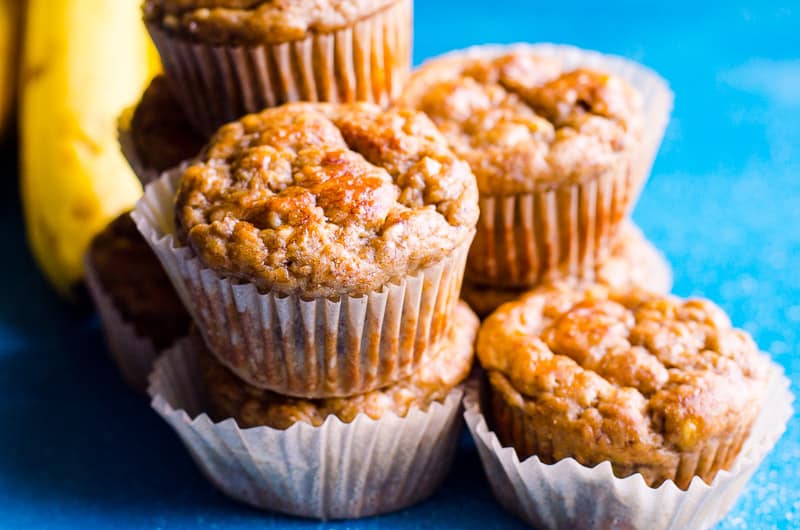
<point x="634" y="263"/>
<point x="132" y="291"/>
<point x="229" y="397"/>
<point x="337" y="236"/>
<point x="341" y="458"/>
<point x="553" y="149"/>
<point x="159" y="134"/>
<point x="326" y="200"/>
<point x="226" y="58"/>
<point x="653" y="384"/>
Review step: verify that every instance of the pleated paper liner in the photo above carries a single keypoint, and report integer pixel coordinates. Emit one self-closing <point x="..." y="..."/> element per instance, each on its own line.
<point x="564" y="231"/>
<point x="569" y="495"/>
<point x="335" y="471"/>
<point x="309" y="348"/>
<point x="132" y="353"/>
<point x="369" y="60"/>
<point x="634" y="262"/>
<point x="523" y="240"/>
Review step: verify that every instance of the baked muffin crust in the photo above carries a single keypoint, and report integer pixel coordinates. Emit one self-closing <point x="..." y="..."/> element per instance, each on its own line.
<point x="326" y="199"/>
<point x="630" y="377"/>
<point x="523" y="123"/>
<point x="134" y="278"/>
<point x="230" y="397"/>
<point x="162" y="135"/>
<point x="256" y="21"/>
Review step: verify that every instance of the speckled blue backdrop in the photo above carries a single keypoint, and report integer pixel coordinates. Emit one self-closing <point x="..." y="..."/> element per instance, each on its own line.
<point x="78" y="450"/>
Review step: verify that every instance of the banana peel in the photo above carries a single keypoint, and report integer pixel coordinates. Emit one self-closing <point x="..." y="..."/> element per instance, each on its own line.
<point x="9" y="29"/>
<point x="84" y="61"/>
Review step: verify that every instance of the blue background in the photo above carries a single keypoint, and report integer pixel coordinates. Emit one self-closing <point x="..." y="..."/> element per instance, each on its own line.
<point x="78" y="450"/>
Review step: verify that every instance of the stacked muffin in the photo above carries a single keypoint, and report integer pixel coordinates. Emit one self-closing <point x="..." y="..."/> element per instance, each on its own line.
<point x="319" y="248"/>
<point x="318" y="238"/>
<point x="560" y="147"/>
<point x="591" y="376"/>
<point x="591" y="365"/>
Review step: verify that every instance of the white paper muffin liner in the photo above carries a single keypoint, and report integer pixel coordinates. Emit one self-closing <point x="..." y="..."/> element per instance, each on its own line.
<point x="569" y="495"/>
<point x="335" y="471"/>
<point x="368" y="60"/>
<point x="309" y="348"/>
<point x="565" y="231"/>
<point x="133" y="353"/>
<point x="550" y="234"/>
<point x="644" y="267"/>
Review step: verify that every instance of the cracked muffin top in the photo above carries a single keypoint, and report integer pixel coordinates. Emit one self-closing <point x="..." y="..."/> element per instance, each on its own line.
<point x="641" y="373"/>
<point x="524" y="123"/>
<point x="131" y="274"/>
<point x="160" y="131"/>
<point x="256" y="21"/>
<point x="229" y="397"/>
<point x="325" y="199"/>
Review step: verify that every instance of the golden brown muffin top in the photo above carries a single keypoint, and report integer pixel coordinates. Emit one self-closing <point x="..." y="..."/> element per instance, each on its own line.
<point x="134" y="278"/>
<point x="326" y="199"/>
<point x="632" y="367"/>
<point x="256" y="21"/>
<point x="522" y="122"/>
<point x="161" y="133"/>
<point x="230" y="397"/>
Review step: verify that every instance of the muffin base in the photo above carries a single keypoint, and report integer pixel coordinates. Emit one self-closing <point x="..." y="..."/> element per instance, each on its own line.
<point x="567" y="494"/>
<point x="133" y="354"/>
<point x="368" y="60"/>
<point x="335" y="471"/>
<point x="307" y="348"/>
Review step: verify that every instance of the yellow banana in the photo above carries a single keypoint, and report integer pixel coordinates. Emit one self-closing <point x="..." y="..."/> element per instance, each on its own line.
<point x="9" y="26"/>
<point x="84" y="61"/>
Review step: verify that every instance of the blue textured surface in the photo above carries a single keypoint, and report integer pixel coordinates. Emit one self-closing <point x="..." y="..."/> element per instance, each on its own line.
<point x="78" y="450"/>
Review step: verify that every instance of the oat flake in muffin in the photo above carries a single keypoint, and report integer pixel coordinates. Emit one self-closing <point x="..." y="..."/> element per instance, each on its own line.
<point x="654" y="384"/>
<point x="326" y="199"/>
